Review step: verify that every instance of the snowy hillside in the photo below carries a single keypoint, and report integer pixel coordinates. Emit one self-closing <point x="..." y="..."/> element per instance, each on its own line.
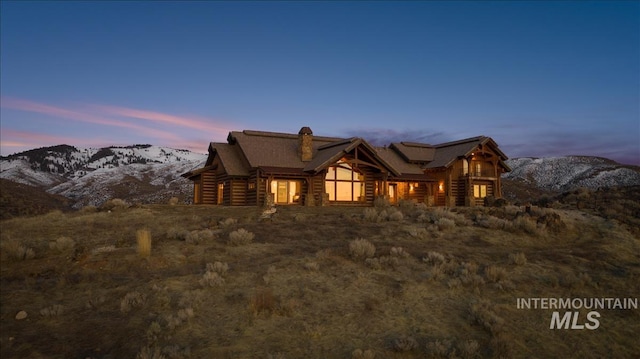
<point x="140" y="173"/>
<point x="570" y="172"/>
<point x="151" y="174"/>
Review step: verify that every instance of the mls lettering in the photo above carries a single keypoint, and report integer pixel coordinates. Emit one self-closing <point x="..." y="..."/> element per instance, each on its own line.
<point x="571" y="320"/>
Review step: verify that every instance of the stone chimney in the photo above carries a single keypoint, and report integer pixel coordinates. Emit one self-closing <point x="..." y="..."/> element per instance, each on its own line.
<point x="305" y="144"/>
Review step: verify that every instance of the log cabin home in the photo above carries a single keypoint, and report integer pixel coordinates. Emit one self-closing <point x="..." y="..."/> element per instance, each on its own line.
<point x="257" y="168"/>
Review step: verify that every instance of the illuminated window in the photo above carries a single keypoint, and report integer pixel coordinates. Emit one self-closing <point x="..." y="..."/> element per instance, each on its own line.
<point x="285" y="192"/>
<point x="479" y="190"/>
<point x="343" y="183"/>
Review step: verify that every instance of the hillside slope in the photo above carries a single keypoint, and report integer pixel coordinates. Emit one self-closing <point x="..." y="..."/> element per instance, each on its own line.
<point x="139" y="173"/>
<point x="18" y="199"/>
<point x="151" y="174"/>
<point x="559" y="174"/>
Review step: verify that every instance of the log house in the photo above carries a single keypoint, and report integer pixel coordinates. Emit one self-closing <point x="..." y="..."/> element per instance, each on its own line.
<point x="255" y="168"/>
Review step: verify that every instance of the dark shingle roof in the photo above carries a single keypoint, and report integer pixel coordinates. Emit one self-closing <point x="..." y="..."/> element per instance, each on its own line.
<point x="272" y="150"/>
<point x="230" y="158"/>
<point x="414" y="152"/>
<point x="398" y="162"/>
<point x="448" y="152"/>
<point x="332" y="152"/>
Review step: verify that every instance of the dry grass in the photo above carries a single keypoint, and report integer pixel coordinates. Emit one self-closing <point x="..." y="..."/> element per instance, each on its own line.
<point x="334" y="285"/>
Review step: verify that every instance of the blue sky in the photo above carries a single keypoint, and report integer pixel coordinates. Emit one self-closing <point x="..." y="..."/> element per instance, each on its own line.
<point x="541" y="78"/>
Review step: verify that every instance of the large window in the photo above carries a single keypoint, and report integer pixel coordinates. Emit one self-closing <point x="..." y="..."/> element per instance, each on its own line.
<point x="286" y="192"/>
<point x="343" y="183"/>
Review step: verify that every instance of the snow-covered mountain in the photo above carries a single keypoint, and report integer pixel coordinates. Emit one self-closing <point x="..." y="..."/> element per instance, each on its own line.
<point x="151" y="174"/>
<point x="91" y="176"/>
<point x="559" y="174"/>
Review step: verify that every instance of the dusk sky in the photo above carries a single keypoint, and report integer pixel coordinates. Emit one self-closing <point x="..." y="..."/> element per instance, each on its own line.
<point x="541" y="78"/>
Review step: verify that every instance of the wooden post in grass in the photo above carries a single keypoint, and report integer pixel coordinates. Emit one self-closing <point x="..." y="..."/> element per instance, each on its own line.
<point x="144" y="242"/>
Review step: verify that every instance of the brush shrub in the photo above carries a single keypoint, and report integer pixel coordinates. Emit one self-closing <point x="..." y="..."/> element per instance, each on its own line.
<point x="200" y="236"/>
<point x="179" y="234"/>
<point x="381" y="202"/>
<point x="132" y="300"/>
<point x="518" y="258"/>
<point x="482" y="313"/>
<point x="363" y="354"/>
<point x="444" y="224"/>
<point x="469" y="349"/>
<point x="361" y="249"/>
<point x="398" y="252"/>
<point x="150" y="353"/>
<point x="370" y="214"/>
<point x="395" y="216"/>
<point x="312" y="266"/>
<point x="495" y="274"/>
<point x="434" y="258"/>
<point x="114" y="204"/>
<point x="13" y="249"/>
<point x="373" y="263"/>
<point x="240" y="237"/>
<point x="405" y="344"/>
<point x="439" y="348"/>
<point x="52" y="311"/>
<point x="62" y="244"/>
<point x="218" y="267"/>
<point x="212" y="279"/>
<point x="228" y="222"/>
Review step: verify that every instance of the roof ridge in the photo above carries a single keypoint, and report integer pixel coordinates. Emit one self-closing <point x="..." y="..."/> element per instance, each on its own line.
<point x="339" y="142"/>
<point x="416" y="144"/>
<point x="458" y="142"/>
<point x="286" y="135"/>
<point x="268" y="134"/>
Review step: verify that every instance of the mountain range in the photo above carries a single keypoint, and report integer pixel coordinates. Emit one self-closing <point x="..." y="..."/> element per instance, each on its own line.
<point x="151" y="174"/>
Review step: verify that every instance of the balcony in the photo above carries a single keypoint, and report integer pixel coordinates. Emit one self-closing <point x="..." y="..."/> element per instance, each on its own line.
<point x="475" y="173"/>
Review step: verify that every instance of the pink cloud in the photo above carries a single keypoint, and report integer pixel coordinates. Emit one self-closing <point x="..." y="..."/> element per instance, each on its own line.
<point x="17" y="141"/>
<point x="193" y="122"/>
<point x="83" y="116"/>
<point x="25" y="138"/>
<point x="159" y="128"/>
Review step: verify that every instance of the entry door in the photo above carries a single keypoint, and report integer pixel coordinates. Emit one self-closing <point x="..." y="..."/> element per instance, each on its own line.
<point x="282" y="194"/>
<point x="393" y="192"/>
<point x="220" y="198"/>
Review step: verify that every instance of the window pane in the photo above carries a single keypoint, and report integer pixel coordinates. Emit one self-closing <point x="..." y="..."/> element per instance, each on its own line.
<point x="343" y="174"/>
<point x="331" y="173"/>
<point x="476" y="190"/>
<point x="358" y="190"/>
<point x="331" y="190"/>
<point x="344" y="191"/>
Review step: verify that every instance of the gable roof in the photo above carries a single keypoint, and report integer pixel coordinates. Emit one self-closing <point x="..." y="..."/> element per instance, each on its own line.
<point x="272" y="149"/>
<point x="230" y="158"/>
<point x="396" y="160"/>
<point x="332" y="152"/>
<point x="447" y="153"/>
<point x="279" y="152"/>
